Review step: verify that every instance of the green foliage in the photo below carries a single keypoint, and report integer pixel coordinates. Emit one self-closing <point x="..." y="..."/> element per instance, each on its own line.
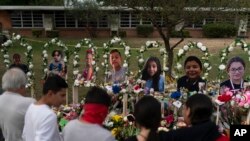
<point x="144" y="30"/>
<point x="178" y="34"/>
<point x="122" y="34"/>
<point x="219" y="30"/>
<point x="52" y="33"/>
<point x="37" y="32"/>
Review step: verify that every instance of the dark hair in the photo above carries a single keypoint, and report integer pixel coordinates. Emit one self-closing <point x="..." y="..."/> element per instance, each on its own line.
<point x="89" y="51"/>
<point x="193" y="58"/>
<point x="54" y="52"/>
<point x="98" y="95"/>
<point x="235" y="59"/>
<point x="156" y="77"/>
<point x="148" y="114"/>
<point x="16" y="55"/>
<point x="54" y="83"/>
<point x="201" y="108"/>
<point x="115" y="50"/>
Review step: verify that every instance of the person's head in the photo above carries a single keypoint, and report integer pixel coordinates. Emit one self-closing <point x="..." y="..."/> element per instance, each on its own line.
<point x="148" y="114"/>
<point x="57" y="55"/>
<point x="14" y="80"/>
<point x="236" y="68"/>
<point x="16" y="58"/>
<point x="115" y="59"/>
<point x="89" y="57"/>
<point x="193" y="67"/>
<point x="152" y="70"/>
<point x="197" y="109"/>
<point x="97" y="102"/>
<point x="152" y="67"/>
<point x="54" y="89"/>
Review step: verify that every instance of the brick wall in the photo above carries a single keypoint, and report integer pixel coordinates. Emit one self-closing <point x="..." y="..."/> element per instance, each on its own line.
<point x="5" y="20"/>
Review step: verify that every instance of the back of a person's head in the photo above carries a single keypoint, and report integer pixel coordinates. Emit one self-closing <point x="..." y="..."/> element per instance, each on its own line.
<point x="13" y="78"/>
<point x="201" y="108"/>
<point x="148" y="112"/>
<point x="54" y="83"/>
<point x="97" y="95"/>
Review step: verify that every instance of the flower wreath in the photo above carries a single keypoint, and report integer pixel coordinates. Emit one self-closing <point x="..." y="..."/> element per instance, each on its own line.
<point x="106" y="49"/>
<point x="93" y="50"/>
<point x="140" y="57"/>
<point x="224" y="54"/>
<point x="182" y="52"/>
<point x="28" y="54"/>
<point x="59" y="43"/>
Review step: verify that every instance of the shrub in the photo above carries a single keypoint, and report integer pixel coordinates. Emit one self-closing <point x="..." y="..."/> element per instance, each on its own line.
<point x="122" y="34"/>
<point x="37" y="32"/>
<point x="52" y="33"/>
<point x="178" y="34"/>
<point x="219" y="30"/>
<point x="144" y="30"/>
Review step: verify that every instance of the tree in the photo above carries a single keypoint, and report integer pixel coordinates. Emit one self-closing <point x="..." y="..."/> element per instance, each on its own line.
<point x="85" y="11"/>
<point x="175" y="12"/>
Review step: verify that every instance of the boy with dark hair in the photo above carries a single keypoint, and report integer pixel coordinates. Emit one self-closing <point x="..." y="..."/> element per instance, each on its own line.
<point x="40" y="120"/>
<point x="89" y="125"/>
<point x="18" y="64"/>
<point x="118" y="72"/>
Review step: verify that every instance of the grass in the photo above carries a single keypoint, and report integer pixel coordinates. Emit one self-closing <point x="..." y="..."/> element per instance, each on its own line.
<point x="134" y="43"/>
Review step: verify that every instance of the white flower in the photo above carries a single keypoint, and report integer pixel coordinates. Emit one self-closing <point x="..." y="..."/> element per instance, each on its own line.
<point x="93" y="62"/>
<point x="178" y="66"/>
<point x="31" y="66"/>
<point x="125" y="119"/>
<point x="44" y="51"/>
<point x="165" y="69"/>
<point x="77" y="56"/>
<point x="238" y="44"/>
<point x="87" y="84"/>
<point x="123" y="91"/>
<point x="246" y="105"/>
<point x="78" y="45"/>
<point x="127" y="48"/>
<point x="245" y="49"/>
<point x="75" y="72"/>
<point x="141" y="60"/>
<point x="125" y="65"/>
<point x="130" y="123"/>
<point x="126" y="52"/>
<point x="206" y="65"/>
<point x="148" y="43"/>
<point x="209" y="68"/>
<point x="29" y="48"/>
<point x="46" y="45"/>
<point x="29" y="74"/>
<point x="6" y="61"/>
<point x="224" y="54"/>
<point x="45" y="70"/>
<point x="77" y="82"/>
<point x="232" y="102"/>
<point x="6" y="56"/>
<point x="203" y="48"/>
<point x="222" y="67"/>
<point x="199" y="44"/>
<point x="105" y="56"/>
<point x="248" y="52"/>
<point x="110" y="124"/>
<point x="45" y="55"/>
<point x="206" y="74"/>
<point x="151" y="90"/>
<point x="162" y="50"/>
<point x="53" y="40"/>
<point x="65" y="59"/>
<point x="103" y="64"/>
<point x="181" y="51"/>
<point x="75" y="63"/>
<point x="185" y="47"/>
<point x="105" y="45"/>
<point x="245" y="45"/>
<point x="231" y="48"/>
<point x="97" y="69"/>
<point x="18" y="37"/>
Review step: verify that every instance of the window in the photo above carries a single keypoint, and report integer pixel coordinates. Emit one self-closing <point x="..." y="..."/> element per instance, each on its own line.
<point x="27" y="19"/>
<point x="70" y="21"/>
<point x="103" y="21"/>
<point x="59" y="19"/>
<point x="125" y="19"/>
<point x="135" y="19"/>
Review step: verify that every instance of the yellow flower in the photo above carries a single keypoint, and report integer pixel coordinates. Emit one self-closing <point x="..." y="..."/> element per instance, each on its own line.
<point x="114" y="131"/>
<point x="117" y="118"/>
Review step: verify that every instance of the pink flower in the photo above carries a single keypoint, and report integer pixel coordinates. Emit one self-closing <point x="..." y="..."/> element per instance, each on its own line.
<point x="170" y="119"/>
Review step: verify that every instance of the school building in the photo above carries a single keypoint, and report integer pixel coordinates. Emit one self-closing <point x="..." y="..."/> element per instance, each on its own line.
<point x="24" y="19"/>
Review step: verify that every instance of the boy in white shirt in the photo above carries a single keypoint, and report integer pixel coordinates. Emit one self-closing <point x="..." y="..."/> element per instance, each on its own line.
<point x="40" y="121"/>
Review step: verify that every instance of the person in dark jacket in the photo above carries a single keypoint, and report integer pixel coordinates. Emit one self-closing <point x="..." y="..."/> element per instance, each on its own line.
<point x="17" y="63"/>
<point x="197" y="113"/>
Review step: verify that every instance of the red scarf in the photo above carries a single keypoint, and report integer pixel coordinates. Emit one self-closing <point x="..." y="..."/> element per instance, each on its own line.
<point x="94" y="113"/>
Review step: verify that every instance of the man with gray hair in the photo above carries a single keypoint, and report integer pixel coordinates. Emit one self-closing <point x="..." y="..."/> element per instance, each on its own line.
<point x="13" y="104"/>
